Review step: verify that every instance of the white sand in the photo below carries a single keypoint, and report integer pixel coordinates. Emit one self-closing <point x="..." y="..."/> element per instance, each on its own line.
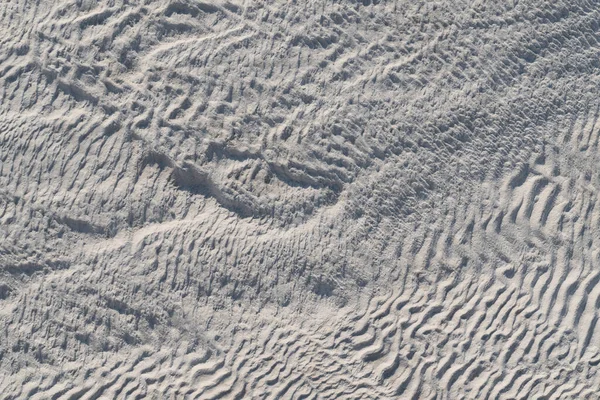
<point x="299" y="199"/>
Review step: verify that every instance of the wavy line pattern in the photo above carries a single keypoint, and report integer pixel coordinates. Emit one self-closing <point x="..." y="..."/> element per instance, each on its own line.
<point x="304" y="200"/>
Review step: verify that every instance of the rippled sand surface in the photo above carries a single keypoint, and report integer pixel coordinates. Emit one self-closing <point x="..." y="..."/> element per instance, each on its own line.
<point x="299" y="199"/>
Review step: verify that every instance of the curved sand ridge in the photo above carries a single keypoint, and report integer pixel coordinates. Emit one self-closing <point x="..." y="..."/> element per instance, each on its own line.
<point x="299" y="200"/>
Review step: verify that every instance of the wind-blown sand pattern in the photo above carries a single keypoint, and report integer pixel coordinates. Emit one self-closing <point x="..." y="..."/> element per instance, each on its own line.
<point x="299" y="199"/>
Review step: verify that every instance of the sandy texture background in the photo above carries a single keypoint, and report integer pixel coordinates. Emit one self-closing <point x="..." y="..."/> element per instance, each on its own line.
<point x="299" y="199"/>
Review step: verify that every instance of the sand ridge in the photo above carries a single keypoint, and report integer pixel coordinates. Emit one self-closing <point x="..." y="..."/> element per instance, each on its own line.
<point x="312" y="200"/>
